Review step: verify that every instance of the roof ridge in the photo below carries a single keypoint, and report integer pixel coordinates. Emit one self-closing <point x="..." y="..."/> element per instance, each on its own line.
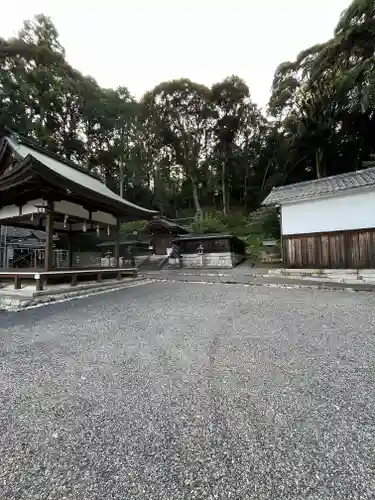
<point x="357" y="179"/>
<point x="40" y="149"/>
<point x="322" y="179"/>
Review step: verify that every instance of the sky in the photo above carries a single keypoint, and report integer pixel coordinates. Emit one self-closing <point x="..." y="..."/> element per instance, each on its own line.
<point x="140" y="43"/>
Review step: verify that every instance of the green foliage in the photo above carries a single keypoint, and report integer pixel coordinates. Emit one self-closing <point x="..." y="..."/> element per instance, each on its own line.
<point x="187" y="149"/>
<point x="132" y="227"/>
<point x="265" y="223"/>
<point x="236" y="224"/>
<point x="208" y="224"/>
<point x="254" y="244"/>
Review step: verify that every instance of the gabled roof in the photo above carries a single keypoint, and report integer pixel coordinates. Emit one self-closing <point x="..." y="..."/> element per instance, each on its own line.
<point x="321" y="187"/>
<point x="161" y="222"/>
<point x="62" y="172"/>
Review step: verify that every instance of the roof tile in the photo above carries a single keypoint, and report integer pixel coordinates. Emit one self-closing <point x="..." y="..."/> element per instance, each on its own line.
<point x="321" y="187"/>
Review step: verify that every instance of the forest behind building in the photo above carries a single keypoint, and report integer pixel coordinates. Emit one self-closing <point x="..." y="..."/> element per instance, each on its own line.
<point x="191" y="150"/>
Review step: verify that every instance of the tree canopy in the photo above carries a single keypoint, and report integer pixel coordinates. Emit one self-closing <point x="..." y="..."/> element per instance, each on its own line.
<point x="187" y="149"/>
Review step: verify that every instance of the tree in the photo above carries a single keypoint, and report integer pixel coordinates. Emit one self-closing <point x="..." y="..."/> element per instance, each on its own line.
<point x="183" y="118"/>
<point x="231" y="98"/>
<point x="188" y="149"/>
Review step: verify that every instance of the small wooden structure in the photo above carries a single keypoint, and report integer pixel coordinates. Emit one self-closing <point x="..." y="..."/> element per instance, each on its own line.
<point x="328" y="223"/>
<point x="162" y="232"/>
<point x="42" y="191"/>
<point x="210" y="250"/>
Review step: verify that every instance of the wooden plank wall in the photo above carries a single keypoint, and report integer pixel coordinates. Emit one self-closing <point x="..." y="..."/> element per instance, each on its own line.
<point x="336" y="250"/>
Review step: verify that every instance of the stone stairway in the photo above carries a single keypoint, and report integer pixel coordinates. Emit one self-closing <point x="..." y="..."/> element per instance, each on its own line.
<point x="153" y="263"/>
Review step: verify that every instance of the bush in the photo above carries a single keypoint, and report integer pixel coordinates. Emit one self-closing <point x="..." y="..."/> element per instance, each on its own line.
<point x="265" y="222"/>
<point x="254" y="244"/>
<point x="209" y="224"/>
<point x="236" y="224"/>
<point x="132" y="226"/>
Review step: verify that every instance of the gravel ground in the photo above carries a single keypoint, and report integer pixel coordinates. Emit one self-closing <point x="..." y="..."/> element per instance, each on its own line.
<point x="190" y="391"/>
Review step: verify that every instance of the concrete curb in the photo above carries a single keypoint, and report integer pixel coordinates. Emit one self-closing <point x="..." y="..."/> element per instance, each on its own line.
<point x="18" y="304"/>
<point x="310" y="286"/>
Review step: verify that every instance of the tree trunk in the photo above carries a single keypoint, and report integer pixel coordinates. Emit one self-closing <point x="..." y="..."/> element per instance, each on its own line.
<point x="245" y="187"/>
<point x="121" y="178"/>
<point x="122" y="162"/>
<point x="224" y="188"/>
<point x="198" y="208"/>
<point x="319" y="165"/>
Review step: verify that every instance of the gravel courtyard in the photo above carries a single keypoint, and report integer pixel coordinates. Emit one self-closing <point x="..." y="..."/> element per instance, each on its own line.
<point x="178" y="391"/>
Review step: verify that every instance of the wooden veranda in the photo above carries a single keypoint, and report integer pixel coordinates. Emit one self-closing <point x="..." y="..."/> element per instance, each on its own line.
<point x="40" y="190"/>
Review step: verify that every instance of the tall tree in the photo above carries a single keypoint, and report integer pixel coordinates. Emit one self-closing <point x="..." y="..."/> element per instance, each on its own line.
<point x="231" y="97"/>
<point x="184" y="118"/>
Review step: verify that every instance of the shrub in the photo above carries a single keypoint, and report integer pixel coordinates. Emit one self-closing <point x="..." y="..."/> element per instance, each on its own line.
<point x="209" y="224"/>
<point x="236" y="224"/>
<point x="132" y="226"/>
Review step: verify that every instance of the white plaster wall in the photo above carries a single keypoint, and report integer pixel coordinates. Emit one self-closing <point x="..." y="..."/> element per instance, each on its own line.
<point x="11" y="211"/>
<point x="336" y="213"/>
<point x="207" y="260"/>
<point x="75" y="210"/>
<point x="31" y="206"/>
<point x="104" y="218"/>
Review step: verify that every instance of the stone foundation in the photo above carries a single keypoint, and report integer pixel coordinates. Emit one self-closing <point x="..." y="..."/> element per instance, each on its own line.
<point x="208" y="260"/>
<point x="333" y="275"/>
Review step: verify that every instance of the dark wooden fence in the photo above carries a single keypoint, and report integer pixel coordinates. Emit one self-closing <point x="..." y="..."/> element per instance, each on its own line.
<point x="336" y="250"/>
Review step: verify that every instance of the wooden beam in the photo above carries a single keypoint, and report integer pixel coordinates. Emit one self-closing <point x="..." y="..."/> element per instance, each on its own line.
<point x="48" y="258"/>
<point x="117" y="244"/>
<point x="70" y="250"/>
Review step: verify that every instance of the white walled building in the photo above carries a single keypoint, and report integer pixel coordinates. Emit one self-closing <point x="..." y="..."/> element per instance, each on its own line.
<point x="329" y="222"/>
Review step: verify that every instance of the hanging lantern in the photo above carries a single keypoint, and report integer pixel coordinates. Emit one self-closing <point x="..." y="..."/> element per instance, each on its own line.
<point x="65" y="220"/>
<point x="108" y="230"/>
<point x="32" y="216"/>
<point x="84" y="227"/>
<point x="98" y="229"/>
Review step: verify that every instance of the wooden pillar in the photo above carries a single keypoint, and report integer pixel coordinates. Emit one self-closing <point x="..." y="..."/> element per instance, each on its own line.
<point x="48" y="258"/>
<point x="17" y="282"/>
<point x="70" y="250"/>
<point x="117" y="244"/>
<point x="282" y="251"/>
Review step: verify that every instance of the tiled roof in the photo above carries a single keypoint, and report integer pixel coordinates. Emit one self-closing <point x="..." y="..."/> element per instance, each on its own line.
<point x="321" y="187"/>
<point x="23" y="149"/>
<point x="21" y="232"/>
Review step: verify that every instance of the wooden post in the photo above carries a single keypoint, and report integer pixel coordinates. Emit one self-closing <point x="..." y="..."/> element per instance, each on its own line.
<point x="117" y="244"/>
<point x="48" y="258"/>
<point x="17" y="282"/>
<point x="282" y="253"/>
<point x="38" y="282"/>
<point x="70" y="250"/>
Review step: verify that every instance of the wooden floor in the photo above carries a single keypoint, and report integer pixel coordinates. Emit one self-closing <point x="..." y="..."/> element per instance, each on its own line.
<point x="72" y="275"/>
<point x="65" y="270"/>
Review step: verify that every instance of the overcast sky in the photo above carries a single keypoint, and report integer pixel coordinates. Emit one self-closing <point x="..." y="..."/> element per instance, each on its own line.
<point x="139" y="43"/>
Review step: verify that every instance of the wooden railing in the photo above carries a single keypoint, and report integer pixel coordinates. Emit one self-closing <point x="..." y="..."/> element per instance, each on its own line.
<point x="72" y="276"/>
